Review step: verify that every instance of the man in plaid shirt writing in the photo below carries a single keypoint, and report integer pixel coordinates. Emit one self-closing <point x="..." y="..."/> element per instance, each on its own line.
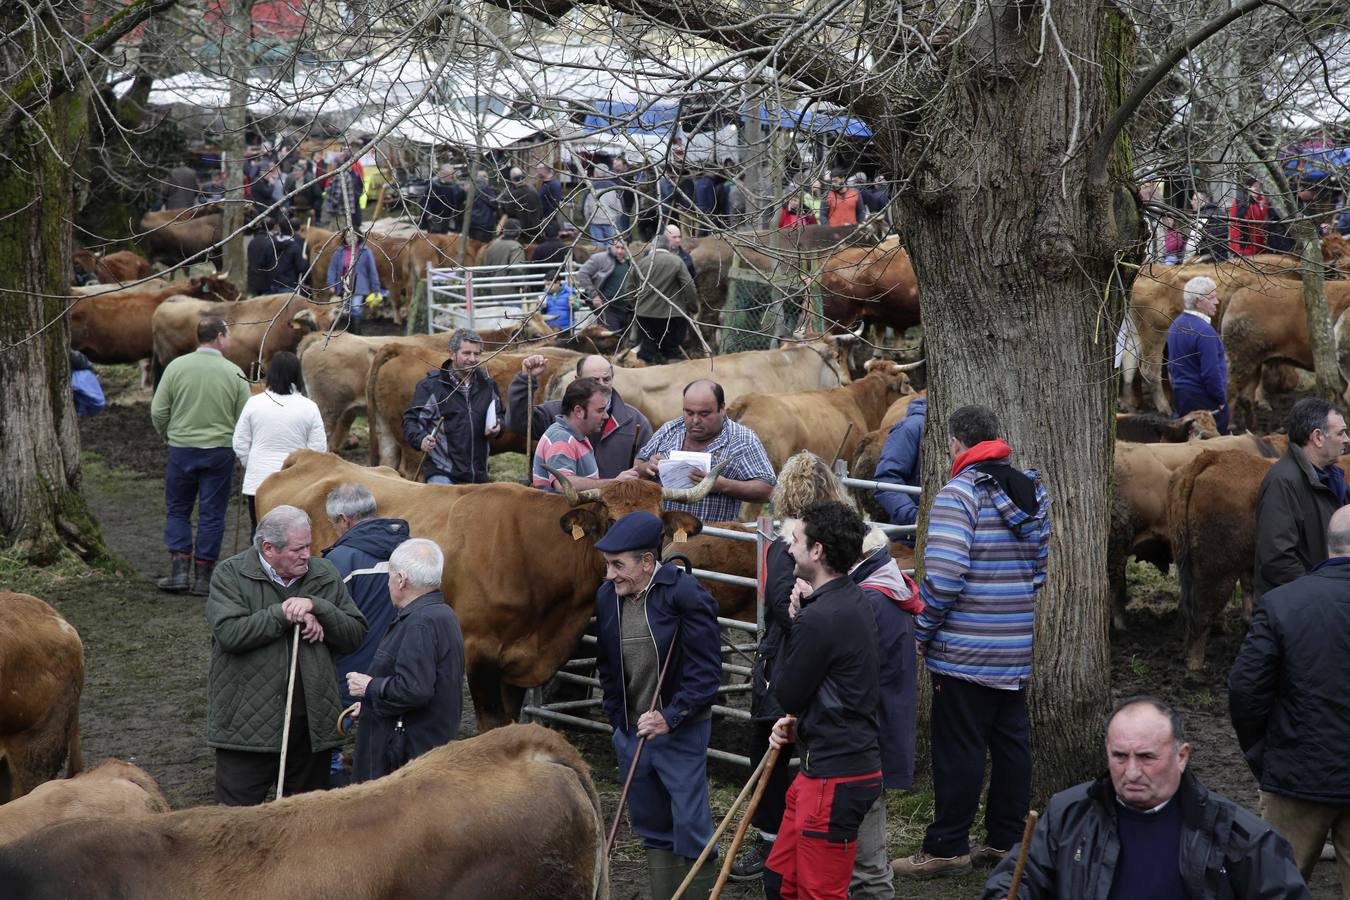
<point x="748" y="476"/>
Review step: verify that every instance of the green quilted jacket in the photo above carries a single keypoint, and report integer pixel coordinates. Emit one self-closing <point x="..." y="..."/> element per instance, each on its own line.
<point x="251" y="653"/>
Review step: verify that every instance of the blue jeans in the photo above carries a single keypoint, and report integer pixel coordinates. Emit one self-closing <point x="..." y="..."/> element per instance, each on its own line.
<point x="668" y="802"/>
<point x="439" y="479"/>
<point x="198" y="477"/>
<point x="602" y="235"/>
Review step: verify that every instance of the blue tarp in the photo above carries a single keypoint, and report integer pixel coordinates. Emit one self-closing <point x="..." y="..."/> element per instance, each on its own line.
<point x="658" y="118"/>
<point x="1320" y="162"/>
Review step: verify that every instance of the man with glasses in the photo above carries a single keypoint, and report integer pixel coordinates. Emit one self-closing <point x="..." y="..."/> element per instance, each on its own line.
<point x="625" y="428"/>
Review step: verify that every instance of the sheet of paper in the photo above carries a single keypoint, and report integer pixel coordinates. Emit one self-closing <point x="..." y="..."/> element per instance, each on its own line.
<point x="491" y="421"/>
<point x="675" y="471"/>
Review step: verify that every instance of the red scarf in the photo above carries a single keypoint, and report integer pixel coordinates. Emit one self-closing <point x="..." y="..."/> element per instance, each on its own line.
<point x="984" y="451"/>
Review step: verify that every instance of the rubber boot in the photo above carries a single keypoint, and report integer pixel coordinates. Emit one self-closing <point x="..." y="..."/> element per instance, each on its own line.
<point x="703" y="882"/>
<point x="665" y="871"/>
<point x="177" y="580"/>
<point x="201" y="577"/>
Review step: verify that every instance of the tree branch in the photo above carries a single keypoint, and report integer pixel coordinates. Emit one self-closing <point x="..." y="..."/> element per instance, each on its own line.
<point x="1101" y="150"/>
<point x="33" y="93"/>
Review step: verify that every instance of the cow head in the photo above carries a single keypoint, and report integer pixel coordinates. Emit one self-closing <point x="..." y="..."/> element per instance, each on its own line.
<point x="895" y="376"/>
<point x="620" y="498"/>
<point x="1202" y="425"/>
<point x="311" y="319"/>
<point x="216" y="286"/>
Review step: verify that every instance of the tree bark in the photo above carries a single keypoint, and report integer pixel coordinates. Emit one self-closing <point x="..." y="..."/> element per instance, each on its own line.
<point x="236" y="210"/>
<point x="42" y="513"/>
<point x="1004" y="239"/>
<point x="1321" y="335"/>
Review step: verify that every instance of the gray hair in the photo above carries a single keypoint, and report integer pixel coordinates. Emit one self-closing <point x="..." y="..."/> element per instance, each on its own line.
<point x="464" y="334"/>
<point x="351" y="500"/>
<point x="661" y="242"/>
<point x="275" y="527"/>
<point x="420" y="561"/>
<point x="1196" y="289"/>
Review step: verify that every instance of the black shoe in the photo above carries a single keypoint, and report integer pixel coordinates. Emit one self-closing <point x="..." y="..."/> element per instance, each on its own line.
<point x="201" y="577"/>
<point x="177" y="580"/>
<point x="750" y="864"/>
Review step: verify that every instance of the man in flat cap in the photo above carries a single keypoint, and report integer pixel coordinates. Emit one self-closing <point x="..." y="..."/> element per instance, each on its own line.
<point x="652" y="617"/>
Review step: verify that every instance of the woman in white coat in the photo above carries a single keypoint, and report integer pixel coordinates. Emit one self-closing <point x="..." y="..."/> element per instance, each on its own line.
<point x="274" y="423"/>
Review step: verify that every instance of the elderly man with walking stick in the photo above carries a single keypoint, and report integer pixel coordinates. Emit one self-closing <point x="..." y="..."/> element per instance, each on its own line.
<point x="259" y="600"/>
<point x="659" y="650"/>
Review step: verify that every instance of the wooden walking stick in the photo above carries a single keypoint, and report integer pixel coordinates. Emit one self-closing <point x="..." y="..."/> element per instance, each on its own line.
<point x="726" y="820"/>
<point x="839" y="451"/>
<point x="770" y="760"/>
<point x="290" y="698"/>
<point x="1022" y="854"/>
<point x="529" y="429"/>
<point x="637" y="753"/>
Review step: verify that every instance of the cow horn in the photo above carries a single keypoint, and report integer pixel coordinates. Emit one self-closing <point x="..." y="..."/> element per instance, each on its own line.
<point x="909" y="367"/>
<point x="697" y="493"/>
<point x="574" y="497"/>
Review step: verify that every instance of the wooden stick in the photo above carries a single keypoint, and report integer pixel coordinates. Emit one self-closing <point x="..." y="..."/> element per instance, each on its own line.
<point x="770" y="761"/>
<point x="721" y="829"/>
<point x="839" y="451"/>
<point x="1022" y="854"/>
<point x="529" y="429"/>
<point x="637" y="754"/>
<point x="290" y="698"/>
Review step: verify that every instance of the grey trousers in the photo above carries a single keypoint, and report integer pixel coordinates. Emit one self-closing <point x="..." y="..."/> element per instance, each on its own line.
<point x="872" y="875"/>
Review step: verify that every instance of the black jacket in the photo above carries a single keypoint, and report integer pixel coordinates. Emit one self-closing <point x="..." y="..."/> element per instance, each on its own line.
<point x="1212" y="242"/>
<point x="362" y="558"/>
<point x="1226" y="852"/>
<point x="1293" y="508"/>
<point x="626" y="428"/>
<point x="682" y="619"/>
<point x="461" y="450"/>
<point x="444" y="206"/>
<point x="897" y="712"/>
<point x="1286" y="692"/>
<point x="290" y="264"/>
<point x="417" y="678"/>
<point x="829" y="679"/>
<point x="780" y="576"/>
<point x="521" y="202"/>
<point x="261" y="255"/>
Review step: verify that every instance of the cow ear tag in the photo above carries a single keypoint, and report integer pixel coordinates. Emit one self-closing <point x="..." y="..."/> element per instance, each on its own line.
<point x="577" y="533"/>
<point x="681" y="535"/>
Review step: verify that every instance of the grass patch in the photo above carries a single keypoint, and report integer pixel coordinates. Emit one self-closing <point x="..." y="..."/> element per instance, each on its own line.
<point x="507" y="467"/>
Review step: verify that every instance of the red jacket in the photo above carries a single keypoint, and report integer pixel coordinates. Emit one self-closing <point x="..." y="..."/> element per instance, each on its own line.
<point x="1246" y="233"/>
<point x="789" y="219"/>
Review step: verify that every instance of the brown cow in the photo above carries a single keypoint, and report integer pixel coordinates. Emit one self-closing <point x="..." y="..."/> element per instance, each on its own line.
<point x="1156" y="301"/>
<point x="115" y="327"/>
<point x="395" y="371"/>
<point x="266" y="325"/>
<point x="114" y="268"/>
<point x="173" y="236"/>
<point x="829" y="422"/>
<point x="1269" y="324"/>
<point x="1155" y="428"/>
<point x="1212" y="512"/>
<point x="1139" y="512"/>
<point x="112" y="788"/>
<point x="511" y="813"/>
<point x="873" y="284"/>
<point x="658" y="391"/>
<point x="42" y="671"/>
<point x="523" y="587"/>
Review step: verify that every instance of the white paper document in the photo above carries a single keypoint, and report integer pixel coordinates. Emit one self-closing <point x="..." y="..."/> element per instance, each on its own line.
<point x="675" y="471"/>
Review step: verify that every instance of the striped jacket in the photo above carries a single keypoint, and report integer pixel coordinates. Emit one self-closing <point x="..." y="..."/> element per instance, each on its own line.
<point x="984" y="562"/>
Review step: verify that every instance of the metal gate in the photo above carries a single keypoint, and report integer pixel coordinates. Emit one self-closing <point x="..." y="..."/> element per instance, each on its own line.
<point x="485" y="296"/>
<point x="735" y="675"/>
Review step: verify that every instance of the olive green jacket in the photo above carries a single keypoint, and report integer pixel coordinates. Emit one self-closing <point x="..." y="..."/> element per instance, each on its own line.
<point x="661" y="279"/>
<point x="251" y="654"/>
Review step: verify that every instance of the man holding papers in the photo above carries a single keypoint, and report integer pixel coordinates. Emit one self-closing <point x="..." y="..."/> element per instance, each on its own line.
<point x="683" y="450"/>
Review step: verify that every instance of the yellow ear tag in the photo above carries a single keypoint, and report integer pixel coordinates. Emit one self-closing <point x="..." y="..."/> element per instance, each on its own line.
<point x="577" y="533"/>
<point x="681" y="535"/>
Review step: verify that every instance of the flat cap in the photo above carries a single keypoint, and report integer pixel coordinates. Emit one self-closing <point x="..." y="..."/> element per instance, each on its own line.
<point x="635" y="531"/>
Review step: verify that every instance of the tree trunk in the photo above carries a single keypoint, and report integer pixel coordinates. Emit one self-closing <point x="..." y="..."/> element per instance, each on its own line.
<point x="1004" y="240"/>
<point x="1321" y="336"/>
<point x="41" y="510"/>
<point x="237" y="210"/>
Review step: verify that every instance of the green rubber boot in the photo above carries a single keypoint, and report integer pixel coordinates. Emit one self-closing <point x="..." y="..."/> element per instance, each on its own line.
<point x="703" y="882"/>
<point x="665" y="871"/>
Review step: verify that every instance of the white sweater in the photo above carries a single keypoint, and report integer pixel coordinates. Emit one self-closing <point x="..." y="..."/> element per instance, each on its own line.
<point x="270" y="428"/>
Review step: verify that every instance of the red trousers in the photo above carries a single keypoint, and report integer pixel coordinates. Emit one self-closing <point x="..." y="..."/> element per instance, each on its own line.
<point x="818" y="840"/>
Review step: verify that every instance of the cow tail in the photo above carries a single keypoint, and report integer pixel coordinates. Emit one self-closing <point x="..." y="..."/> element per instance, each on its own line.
<point x="1178" y="517"/>
<point x="601" y="878"/>
<point x="75" y="760"/>
<point x="374" y="419"/>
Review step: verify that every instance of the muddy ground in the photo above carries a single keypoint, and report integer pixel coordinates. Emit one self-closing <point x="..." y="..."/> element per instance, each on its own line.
<point x="145" y="692"/>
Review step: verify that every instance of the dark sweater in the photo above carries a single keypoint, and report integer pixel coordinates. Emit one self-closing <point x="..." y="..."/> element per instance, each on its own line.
<point x="829" y="679"/>
<point x="1150" y="854"/>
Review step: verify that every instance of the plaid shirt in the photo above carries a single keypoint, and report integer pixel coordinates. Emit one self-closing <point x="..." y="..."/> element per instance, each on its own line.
<point x="747" y="461"/>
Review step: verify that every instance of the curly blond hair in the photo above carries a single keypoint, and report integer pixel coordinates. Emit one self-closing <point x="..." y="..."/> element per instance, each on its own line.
<point x="805" y="479"/>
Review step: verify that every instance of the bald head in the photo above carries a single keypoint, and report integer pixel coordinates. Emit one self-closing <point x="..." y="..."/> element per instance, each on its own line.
<point x="704" y="409"/>
<point x="673" y="236"/>
<point x="596" y="367"/>
<point x="1338" y="533"/>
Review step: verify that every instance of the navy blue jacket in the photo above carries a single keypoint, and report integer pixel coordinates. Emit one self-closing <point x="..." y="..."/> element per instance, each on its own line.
<point x="901" y="463"/>
<point x="461" y="449"/>
<point x="418" y="677"/>
<point x="483" y="216"/>
<point x="361" y="556"/>
<point x="705" y="193"/>
<point x="780" y="577"/>
<point x="550" y="196"/>
<point x="882" y="584"/>
<point x="675" y="601"/>
<point x="1195" y="360"/>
